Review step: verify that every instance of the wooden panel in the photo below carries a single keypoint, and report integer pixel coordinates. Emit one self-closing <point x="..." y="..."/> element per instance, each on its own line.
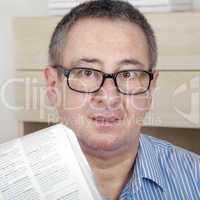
<point x="31" y="100"/>
<point x="31" y="39"/>
<point x="30" y="127"/>
<point x="177" y="33"/>
<point x="176" y="100"/>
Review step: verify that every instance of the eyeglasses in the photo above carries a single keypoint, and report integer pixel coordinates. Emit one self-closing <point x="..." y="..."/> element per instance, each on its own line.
<point x="89" y="80"/>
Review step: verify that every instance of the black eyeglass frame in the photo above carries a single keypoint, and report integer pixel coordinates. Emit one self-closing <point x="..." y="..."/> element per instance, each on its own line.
<point x="113" y="76"/>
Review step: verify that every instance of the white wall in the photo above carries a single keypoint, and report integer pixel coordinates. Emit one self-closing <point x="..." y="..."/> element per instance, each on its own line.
<point x="9" y="9"/>
<point x="196" y="4"/>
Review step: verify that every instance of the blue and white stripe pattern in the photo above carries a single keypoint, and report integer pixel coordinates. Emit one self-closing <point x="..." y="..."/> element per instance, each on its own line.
<point x="163" y="172"/>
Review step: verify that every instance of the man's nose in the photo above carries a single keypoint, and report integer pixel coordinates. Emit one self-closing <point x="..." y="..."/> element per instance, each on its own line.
<point x="108" y="95"/>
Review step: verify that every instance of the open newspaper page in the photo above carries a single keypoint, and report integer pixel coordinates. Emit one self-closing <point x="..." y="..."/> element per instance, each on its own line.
<point x="46" y="165"/>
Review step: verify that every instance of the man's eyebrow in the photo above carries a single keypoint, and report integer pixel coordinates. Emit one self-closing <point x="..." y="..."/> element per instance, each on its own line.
<point x="131" y="62"/>
<point x="86" y="60"/>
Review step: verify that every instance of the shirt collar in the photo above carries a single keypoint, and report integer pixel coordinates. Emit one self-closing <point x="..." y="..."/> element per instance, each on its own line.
<point x="147" y="164"/>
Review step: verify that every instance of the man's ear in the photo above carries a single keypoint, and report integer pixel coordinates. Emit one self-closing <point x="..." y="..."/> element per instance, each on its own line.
<point x="154" y="81"/>
<point x="52" y="84"/>
<point x="152" y="88"/>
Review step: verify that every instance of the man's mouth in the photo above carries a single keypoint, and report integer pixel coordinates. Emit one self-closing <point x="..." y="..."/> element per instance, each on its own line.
<point x="105" y="120"/>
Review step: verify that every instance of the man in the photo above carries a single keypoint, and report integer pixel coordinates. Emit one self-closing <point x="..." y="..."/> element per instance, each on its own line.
<point x="104" y="54"/>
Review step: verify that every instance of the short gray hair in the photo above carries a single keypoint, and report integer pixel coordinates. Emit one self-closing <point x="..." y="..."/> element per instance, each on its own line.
<point x="111" y="9"/>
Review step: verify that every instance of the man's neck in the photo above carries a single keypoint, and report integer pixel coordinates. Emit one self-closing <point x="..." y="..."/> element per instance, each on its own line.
<point x="113" y="173"/>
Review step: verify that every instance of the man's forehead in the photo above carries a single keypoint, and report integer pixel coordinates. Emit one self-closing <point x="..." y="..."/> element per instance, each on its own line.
<point x="98" y="22"/>
<point x="95" y="40"/>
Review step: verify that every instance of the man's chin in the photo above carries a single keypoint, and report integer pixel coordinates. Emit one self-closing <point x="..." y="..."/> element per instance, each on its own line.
<point x="103" y="147"/>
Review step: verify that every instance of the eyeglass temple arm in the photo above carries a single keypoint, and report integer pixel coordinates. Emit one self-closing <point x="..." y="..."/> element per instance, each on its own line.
<point x="61" y="68"/>
<point x="151" y="74"/>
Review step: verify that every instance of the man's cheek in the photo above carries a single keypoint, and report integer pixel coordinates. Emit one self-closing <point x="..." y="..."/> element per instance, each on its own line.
<point x="74" y="101"/>
<point x="139" y="103"/>
<point x="72" y="119"/>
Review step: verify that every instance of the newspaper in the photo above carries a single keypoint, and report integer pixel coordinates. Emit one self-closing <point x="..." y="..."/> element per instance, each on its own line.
<point x="46" y="165"/>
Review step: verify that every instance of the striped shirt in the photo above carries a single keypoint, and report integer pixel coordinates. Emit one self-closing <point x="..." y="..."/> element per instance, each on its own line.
<point x="163" y="172"/>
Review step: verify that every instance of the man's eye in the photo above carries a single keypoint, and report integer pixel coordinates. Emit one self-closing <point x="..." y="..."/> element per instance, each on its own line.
<point x="129" y="75"/>
<point x="85" y="72"/>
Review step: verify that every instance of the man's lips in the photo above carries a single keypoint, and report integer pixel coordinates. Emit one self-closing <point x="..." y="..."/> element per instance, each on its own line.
<point x="105" y="120"/>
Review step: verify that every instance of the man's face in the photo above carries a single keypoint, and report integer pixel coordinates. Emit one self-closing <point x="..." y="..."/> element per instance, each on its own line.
<point x="105" y="121"/>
